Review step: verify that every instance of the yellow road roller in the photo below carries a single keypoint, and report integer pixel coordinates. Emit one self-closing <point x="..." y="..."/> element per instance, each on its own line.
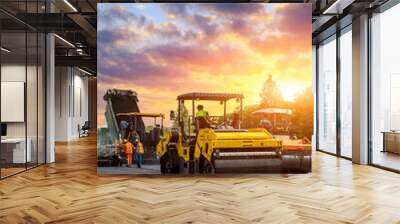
<point x="224" y="147"/>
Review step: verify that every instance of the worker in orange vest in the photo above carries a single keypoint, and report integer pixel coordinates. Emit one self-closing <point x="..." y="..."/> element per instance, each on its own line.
<point x="128" y="147"/>
<point x="139" y="151"/>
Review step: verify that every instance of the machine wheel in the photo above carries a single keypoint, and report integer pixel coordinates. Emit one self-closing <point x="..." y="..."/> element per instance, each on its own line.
<point x="200" y="164"/>
<point x="306" y="164"/>
<point x="191" y="165"/>
<point x="182" y="166"/>
<point x="163" y="164"/>
<point x="208" y="168"/>
<point x="169" y="164"/>
<point x="298" y="164"/>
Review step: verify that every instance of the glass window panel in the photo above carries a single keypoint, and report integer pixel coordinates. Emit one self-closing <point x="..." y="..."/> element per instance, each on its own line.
<point x="13" y="84"/>
<point x="394" y="101"/>
<point x="327" y="96"/>
<point x="31" y="97"/>
<point x="22" y="62"/>
<point x="385" y="83"/>
<point x="346" y="94"/>
<point x="32" y="87"/>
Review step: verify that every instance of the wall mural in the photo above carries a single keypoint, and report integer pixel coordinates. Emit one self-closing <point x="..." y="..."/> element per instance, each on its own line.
<point x="204" y="88"/>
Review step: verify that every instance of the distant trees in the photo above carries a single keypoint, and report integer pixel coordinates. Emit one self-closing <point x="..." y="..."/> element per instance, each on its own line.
<point x="303" y="113"/>
<point x="271" y="95"/>
<point x="248" y="120"/>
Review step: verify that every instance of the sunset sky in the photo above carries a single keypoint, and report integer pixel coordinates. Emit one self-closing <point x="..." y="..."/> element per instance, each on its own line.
<point x="164" y="50"/>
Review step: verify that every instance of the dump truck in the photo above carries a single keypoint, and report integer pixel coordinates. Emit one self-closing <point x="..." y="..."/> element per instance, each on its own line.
<point x="121" y="101"/>
<point x="122" y="105"/>
<point x="222" y="148"/>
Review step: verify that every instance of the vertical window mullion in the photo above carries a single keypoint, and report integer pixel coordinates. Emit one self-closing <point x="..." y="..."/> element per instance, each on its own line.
<point x="338" y="80"/>
<point x="26" y="86"/>
<point x="317" y="97"/>
<point x="369" y="90"/>
<point x="37" y="90"/>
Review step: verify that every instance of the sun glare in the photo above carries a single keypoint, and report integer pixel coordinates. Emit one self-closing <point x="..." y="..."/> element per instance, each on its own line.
<point x="290" y="92"/>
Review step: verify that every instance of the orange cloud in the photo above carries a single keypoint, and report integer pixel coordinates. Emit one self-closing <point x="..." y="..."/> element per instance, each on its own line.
<point x="203" y="48"/>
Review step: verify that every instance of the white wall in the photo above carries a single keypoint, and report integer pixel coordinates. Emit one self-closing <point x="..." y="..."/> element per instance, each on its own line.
<point x="33" y="127"/>
<point x="61" y="103"/>
<point x="80" y="110"/>
<point x="14" y="73"/>
<point x="71" y="102"/>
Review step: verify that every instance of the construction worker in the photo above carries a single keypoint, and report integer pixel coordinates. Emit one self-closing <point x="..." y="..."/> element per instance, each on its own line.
<point x="201" y="118"/>
<point x="123" y="126"/>
<point x="128" y="147"/>
<point x="128" y="130"/>
<point x="139" y="151"/>
<point x="235" y="120"/>
<point x="134" y="136"/>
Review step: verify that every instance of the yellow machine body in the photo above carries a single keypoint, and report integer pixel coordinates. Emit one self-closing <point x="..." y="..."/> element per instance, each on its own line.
<point x="251" y="140"/>
<point x="162" y="146"/>
<point x="230" y="150"/>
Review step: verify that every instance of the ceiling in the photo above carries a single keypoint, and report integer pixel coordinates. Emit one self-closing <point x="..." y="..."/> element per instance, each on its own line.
<point x="329" y="16"/>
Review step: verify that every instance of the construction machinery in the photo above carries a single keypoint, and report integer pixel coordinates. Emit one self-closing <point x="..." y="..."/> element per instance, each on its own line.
<point x="280" y="119"/>
<point x="121" y="101"/>
<point x="282" y="128"/>
<point x="151" y="136"/>
<point x="281" y="125"/>
<point x="222" y="148"/>
<point x="122" y="105"/>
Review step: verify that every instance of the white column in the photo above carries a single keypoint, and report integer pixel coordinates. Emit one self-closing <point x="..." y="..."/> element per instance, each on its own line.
<point x="50" y="92"/>
<point x="50" y="101"/>
<point x="62" y="103"/>
<point x="360" y="90"/>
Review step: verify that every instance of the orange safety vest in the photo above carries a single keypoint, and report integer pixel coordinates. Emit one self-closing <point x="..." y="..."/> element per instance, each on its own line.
<point x="128" y="148"/>
<point x="140" y="148"/>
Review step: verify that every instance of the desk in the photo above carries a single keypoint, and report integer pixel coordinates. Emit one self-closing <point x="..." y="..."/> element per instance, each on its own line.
<point x="391" y="141"/>
<point x="13" y="150"/>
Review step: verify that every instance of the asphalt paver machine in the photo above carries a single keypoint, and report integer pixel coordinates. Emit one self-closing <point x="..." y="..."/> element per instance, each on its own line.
<point x="222" y="148"/>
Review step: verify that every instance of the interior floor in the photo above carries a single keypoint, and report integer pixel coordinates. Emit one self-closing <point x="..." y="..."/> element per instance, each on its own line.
<point x="10" y="171"/>
<point x="145" y="169"/>
<point x="70" y="191"/>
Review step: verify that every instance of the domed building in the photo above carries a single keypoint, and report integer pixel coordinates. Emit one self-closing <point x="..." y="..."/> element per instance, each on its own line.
<point x="271" y="95"/>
